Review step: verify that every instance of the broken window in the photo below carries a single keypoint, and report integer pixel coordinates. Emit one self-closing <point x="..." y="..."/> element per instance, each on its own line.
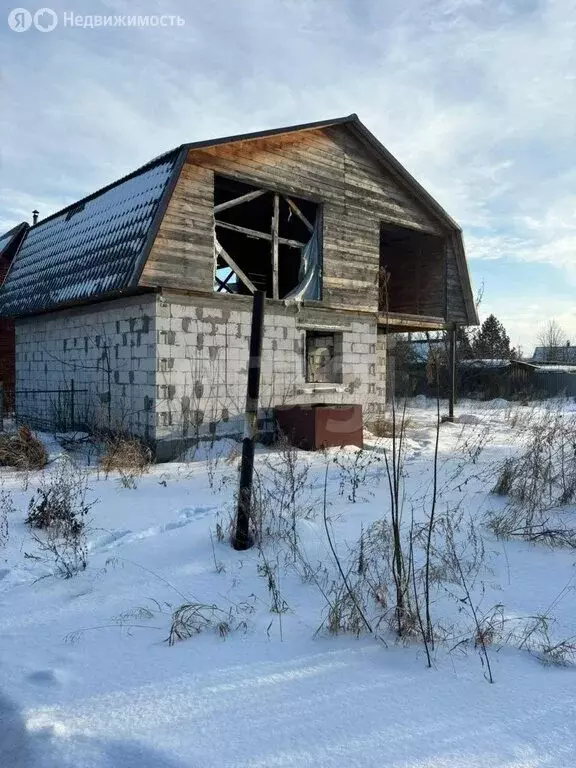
<point x="323" y="357"/>
<point x="265" y="241"/>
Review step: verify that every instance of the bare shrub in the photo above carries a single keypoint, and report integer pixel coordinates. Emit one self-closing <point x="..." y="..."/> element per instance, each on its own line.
<point x="346" y="609"/>
<point x="128" y="456"/>
<point x="388" y="582"/>
<point x="525" y="633"/>
<point x="372" y="588"/>
<point x="282" y="494"/>
<point x="400" y="563"/>
<point x="22" y="450"/>
<point x="271" y="572"/>
<point x="57" y="515"/>
<point x="456" y="549"/>
<point x="7" y="508"/>
<point x="538" y="482"/>
<point x="356" y="473"/>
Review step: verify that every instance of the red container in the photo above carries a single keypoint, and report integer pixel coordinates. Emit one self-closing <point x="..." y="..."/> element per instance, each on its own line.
<point x="313" y="427"/>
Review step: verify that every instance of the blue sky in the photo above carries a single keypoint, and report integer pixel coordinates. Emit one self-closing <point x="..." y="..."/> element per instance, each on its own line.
<point x="477" y="98"/>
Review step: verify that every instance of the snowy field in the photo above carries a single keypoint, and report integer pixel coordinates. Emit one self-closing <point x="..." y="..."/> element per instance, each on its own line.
<point x="88" y="680"/>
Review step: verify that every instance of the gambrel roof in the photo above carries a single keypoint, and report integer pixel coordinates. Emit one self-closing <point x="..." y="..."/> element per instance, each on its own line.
<point x="89" y="248"/>
<point x="97" y="247"/>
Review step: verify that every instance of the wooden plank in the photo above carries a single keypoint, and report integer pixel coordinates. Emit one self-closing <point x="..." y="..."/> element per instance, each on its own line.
<point x="299" y="213"/>
<point x="261" y="235"/>
<point x="232" y="264"/>
<point x="239" y="200"/>
<point x="275" y="240"/>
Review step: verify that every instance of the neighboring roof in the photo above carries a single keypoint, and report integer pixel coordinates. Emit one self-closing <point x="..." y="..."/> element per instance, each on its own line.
<point x="91" y="248"/>
<point x="9" y="240"/>
<point x="494" y="363"/>
<point x="559" y="368"/>
<point x="564" y="354"/>
<point x="98" y="246"/>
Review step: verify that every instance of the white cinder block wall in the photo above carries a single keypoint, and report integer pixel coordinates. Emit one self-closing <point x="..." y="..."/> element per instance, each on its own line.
<point x="203" y="353"/>
<point x="108" y="349"/>
<point x="173" y="368"/>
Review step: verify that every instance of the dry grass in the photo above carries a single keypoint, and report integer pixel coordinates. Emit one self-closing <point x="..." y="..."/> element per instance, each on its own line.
<point x="384" y="426"/>
<point x="22" y="450"/>
<point x="126" y="455"/>
<point x="191" y="619"/>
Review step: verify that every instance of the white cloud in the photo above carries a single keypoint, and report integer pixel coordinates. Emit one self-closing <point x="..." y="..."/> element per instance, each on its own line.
<point x="476" y="98"/>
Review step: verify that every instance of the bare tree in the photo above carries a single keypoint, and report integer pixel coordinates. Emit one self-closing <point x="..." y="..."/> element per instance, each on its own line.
<point x="550" y="336"/>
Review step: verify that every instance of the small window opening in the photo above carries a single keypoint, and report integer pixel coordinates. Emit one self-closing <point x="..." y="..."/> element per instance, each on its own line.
<point x="323" y="357"/>
<point x="266" y="241"/>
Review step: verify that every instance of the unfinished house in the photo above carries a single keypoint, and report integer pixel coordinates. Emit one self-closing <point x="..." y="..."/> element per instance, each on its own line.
<point x="136" y="300"/>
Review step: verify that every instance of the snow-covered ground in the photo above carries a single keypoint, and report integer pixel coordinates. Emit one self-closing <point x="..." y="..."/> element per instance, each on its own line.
<point x="87" y="679"/>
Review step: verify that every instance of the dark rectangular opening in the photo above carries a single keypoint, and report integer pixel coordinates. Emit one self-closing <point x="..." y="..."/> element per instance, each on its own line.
<point x="412" y="272"/>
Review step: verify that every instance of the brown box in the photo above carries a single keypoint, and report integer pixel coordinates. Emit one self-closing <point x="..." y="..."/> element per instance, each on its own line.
<point x="313" y="427"/>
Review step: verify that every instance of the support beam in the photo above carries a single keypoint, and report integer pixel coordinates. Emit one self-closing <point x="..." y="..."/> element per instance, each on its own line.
<point x="239" y="200"/>
<point x="233" y="266"/>
<point x="242" y="539"/>
<point x="275" y="226"/>
<point x="257" y="234"/>
<point x="452" y="359"/>
<point x="299" y="213"/>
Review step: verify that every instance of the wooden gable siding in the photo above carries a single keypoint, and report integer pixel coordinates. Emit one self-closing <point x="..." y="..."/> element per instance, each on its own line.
<point x="183" y="252"/>
<point x="371" y="190"/>
<point x="456" y="304"/>
<point x="330" y="166"/>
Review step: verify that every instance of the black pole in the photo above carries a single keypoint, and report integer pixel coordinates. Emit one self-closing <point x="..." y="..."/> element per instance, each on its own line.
<point x="452" y="398"/>
<point x="242" y="538"/>
<point x="72" y="407"/>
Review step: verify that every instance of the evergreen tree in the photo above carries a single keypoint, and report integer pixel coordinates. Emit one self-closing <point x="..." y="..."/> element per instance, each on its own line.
<point x="492" y="341"/>
<point x="464" y="343"/>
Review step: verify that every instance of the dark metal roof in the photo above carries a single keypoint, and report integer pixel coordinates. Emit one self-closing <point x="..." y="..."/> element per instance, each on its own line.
<point x="92" y="247"/>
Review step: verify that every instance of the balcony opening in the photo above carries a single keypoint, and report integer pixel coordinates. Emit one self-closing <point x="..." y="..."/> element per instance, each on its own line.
<point x="412" y="272"/>
<point x="266" y="241"/>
